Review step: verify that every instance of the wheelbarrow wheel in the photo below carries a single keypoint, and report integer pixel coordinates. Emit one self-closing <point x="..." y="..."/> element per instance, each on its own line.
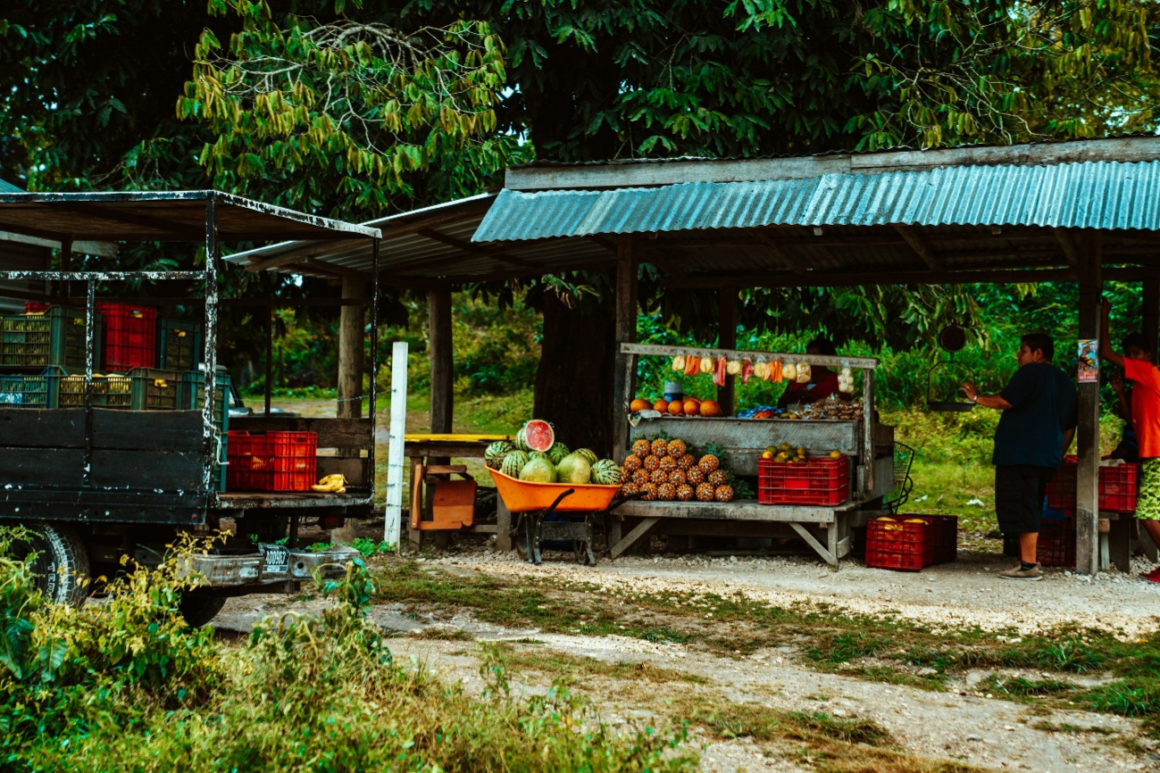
<point x="584" y="554"/>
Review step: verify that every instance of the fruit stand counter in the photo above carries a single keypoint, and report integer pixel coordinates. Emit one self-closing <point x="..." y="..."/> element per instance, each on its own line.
<point x="859" y="447"/>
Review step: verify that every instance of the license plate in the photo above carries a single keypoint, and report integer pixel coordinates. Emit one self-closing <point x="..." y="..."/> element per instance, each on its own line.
<point x="277" y="559"/>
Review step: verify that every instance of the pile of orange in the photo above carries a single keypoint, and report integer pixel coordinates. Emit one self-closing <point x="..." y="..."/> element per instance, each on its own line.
<point x="690" y="406"/>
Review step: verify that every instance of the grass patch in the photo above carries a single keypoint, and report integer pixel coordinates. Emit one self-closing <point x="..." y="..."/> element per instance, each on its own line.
<point x="1064" y="727"/>
<point x="880" y="649"/>
<point x="572" y="667"/>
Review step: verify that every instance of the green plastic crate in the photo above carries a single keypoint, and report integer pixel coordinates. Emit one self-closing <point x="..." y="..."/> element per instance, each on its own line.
<point x="193" y="398"/>
<point x="156" y="390"/>
<point x="67" y="390"/>
<point x="53" y="338"/>
<point x="179" y="344"/>
<point x="24" y="392"/>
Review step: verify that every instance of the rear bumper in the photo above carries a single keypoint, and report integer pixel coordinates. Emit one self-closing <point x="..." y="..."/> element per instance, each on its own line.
<point x="270" y="565"/>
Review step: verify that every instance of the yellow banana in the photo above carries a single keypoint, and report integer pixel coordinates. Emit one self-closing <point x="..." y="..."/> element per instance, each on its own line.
<point x="331" y="484"/>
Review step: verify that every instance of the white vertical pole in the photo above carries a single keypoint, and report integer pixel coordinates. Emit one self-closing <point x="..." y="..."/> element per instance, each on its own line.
<point x="394" y="516"/>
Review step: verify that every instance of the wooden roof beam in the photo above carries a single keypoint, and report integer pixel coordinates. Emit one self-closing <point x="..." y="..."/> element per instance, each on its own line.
<point x="778" y="252"/>
<point x="473" y="249"/>
<point x="919" y="246"/>
<point x="1067" y="244"/>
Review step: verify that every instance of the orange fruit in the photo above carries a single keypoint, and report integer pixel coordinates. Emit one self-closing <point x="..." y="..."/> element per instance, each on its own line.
<point x="710" y="408"/>
<point x="660" y="405"/>
<point x="692" y="406"/>
<point x="675" y="407"/>
<point x="639" y="404"/>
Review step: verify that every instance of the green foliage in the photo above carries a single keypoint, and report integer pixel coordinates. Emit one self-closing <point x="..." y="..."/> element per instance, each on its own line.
<point x="131" y="683"/>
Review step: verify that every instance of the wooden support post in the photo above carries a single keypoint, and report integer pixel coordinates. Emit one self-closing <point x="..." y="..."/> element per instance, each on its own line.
<point x="1151" y="312"/>
<point x="442" y="365"/>
<point x="868" y="461"/>
<point x="351" y="334"/>
<point x="623" y="372"/>
<point x="503" y="526"/>
<point x="1088" y="434"/>
<point x="726" y="339"/>
<point x="392" y="522"/>
<point x="639" y="532"/>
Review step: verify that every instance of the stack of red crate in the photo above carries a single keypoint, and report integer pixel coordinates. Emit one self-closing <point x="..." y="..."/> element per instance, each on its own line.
<point x="1056" y="546"/>
<point x="902" y="543"/>
<point x="824" y="482"/>
<point x="273" y="461"/>
<point x="130" y="336"/>
<point x="1117" y="488"/>
<point x="945" y="535"/>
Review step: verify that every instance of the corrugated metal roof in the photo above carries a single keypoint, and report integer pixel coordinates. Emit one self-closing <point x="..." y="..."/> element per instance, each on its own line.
<point x="7" y="187"/>
<point x="1104" y="195"/>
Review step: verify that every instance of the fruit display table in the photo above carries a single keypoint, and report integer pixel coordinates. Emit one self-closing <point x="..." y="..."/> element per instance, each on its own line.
<point x="859" y="441"/>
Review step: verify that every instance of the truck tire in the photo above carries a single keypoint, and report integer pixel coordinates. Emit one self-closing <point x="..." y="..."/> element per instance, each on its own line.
<point x="61" y="565"/>
<point x="199" y="608"/>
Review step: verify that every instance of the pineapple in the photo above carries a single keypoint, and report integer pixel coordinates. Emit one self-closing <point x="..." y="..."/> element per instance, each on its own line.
<point x="666" y="492"/>
<point x="629" y="489"/>
<point x="632" y="463"/>
<point x="649" y="491"/>
<point x="684" y="492"/>
<point x="660" y="448"/>
<point x="717" y="478"/>
<point x="658" y="477"/>
<point x="687" y="462"/>
<point x="640" y="477"/>
<point x="705" y="492"/>
<point x="640" y="449"/>
<point x="695" y="476"/>
<point x="724" y="494"/>
<point x="709" y="463"/>
<point x="651" y="463"/>
<point x="668" y="464"/>
<point x="677" y="448"/>
<point x="677" y="478"/>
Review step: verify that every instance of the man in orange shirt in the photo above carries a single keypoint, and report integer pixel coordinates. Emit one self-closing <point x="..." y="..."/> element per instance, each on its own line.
<point x="1145" y="377"/>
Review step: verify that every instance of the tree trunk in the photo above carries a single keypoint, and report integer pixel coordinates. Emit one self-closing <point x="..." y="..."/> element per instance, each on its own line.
<point x="574" y="378"/>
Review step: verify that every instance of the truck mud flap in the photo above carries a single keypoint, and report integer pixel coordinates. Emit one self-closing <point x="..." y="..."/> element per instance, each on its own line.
<point x="271" y="564"/>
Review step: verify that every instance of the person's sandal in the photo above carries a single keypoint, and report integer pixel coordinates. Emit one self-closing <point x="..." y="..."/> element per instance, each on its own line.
<point x="1019" y="573"/>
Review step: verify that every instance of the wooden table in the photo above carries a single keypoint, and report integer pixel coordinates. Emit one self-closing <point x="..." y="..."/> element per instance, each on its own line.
<point x="418" y="448"/>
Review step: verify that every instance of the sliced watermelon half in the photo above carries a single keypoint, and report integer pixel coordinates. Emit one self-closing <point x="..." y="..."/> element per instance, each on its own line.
<point x="538" y="435"/>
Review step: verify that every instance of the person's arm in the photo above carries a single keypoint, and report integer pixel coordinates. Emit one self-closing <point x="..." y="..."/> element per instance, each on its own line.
<point x="1122" y="397"/>
<point x="987" y="401"/>
<point x="1068" y="434"/>
<point x="1107" y="353"/>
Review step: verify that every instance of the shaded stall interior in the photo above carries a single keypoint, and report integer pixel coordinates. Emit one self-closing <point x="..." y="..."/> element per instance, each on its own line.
<point x="1079" y="212"/>
<point x="99" y="467"/>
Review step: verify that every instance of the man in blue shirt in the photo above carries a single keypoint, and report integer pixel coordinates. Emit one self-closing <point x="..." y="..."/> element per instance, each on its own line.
<point x="1038" y="421"/>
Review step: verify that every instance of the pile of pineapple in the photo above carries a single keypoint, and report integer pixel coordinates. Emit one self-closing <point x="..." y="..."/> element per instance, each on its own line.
<point x="667" y="470"/>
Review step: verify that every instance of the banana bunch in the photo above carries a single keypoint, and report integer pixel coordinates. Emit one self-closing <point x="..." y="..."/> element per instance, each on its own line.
<point x="331" y="484"/>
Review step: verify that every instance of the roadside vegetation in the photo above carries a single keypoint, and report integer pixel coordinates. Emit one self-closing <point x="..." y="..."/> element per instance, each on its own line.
<point x="127" y="685"/>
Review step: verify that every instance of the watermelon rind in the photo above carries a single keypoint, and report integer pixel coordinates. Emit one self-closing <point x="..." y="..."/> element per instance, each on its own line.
<point x="606" y="473"/>
<point x="512" y="463"/>
<point x="588" y="454"/>
<point x="558" y="451"/>
<point x="538" y="470"/>
<point x="494" y="454"/>
<point x="537" y="435"/>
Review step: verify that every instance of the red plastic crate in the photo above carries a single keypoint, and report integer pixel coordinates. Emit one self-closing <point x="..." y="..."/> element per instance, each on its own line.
<point x="945" y="536"/>
<point x="813" y="482"/>
<point x="294" y="460"/>
<point x="894" y="544"/>
<point x="36" y="307"/>
<point x="248" y="461"/>
<point x="130" y="336"/>
<point x="1056" y="546"/>
<point x="1117" y="487"/>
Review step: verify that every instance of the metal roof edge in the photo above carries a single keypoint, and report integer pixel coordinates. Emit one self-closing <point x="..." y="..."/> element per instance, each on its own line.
<point x="655" y="172"/>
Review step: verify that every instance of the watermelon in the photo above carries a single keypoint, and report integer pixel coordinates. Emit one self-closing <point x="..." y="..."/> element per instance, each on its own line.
<point x="495" y="453"/>
<point x="574" y="468"/>
<point x="558" y="451"/>
<point x="538" y="470"/>
<point x="513" y="463"/>
<point x="536" y="435"/>
<point x="606" y="473"/>
<point x="588" y="454"/>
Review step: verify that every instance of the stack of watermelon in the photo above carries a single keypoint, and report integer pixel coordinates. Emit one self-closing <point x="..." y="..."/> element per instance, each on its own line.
<point x="537" y="457"/>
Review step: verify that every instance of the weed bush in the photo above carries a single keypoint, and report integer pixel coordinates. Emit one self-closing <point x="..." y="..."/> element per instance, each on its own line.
<point x="129" y="686"/>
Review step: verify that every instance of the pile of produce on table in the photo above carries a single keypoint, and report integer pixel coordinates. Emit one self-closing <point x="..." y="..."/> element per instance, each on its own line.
<point x="537" y="457"/>
<point x="686" y="406"/>
<point x="790" y="455"/>
<point x="830" y="409"/>
<point x="766" y="369"/>
<point x="667" y="469"/>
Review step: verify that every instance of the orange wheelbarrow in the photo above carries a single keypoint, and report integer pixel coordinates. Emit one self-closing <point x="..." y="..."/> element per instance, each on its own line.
<point x="535" y="504"/>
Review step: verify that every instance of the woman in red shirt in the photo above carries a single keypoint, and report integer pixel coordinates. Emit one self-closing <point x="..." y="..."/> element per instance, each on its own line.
<point x="1145" y="377"/>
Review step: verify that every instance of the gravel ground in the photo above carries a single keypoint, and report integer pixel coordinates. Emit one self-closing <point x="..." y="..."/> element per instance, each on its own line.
<point x="965" y="593"/>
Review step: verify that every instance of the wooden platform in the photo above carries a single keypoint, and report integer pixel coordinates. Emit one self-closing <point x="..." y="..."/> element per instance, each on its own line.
<point x="251" y="500"/>
<point x="814" y="524"/>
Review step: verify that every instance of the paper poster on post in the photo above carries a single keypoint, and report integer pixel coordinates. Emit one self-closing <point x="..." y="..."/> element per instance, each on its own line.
<point x="1088" y="362"/>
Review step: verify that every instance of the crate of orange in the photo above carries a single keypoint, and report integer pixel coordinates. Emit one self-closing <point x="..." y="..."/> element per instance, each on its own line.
<point x="685" y="406"/>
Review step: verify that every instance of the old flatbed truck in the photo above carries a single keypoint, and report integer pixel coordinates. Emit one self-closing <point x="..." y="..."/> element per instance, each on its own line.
<point x="94" y="483"/>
